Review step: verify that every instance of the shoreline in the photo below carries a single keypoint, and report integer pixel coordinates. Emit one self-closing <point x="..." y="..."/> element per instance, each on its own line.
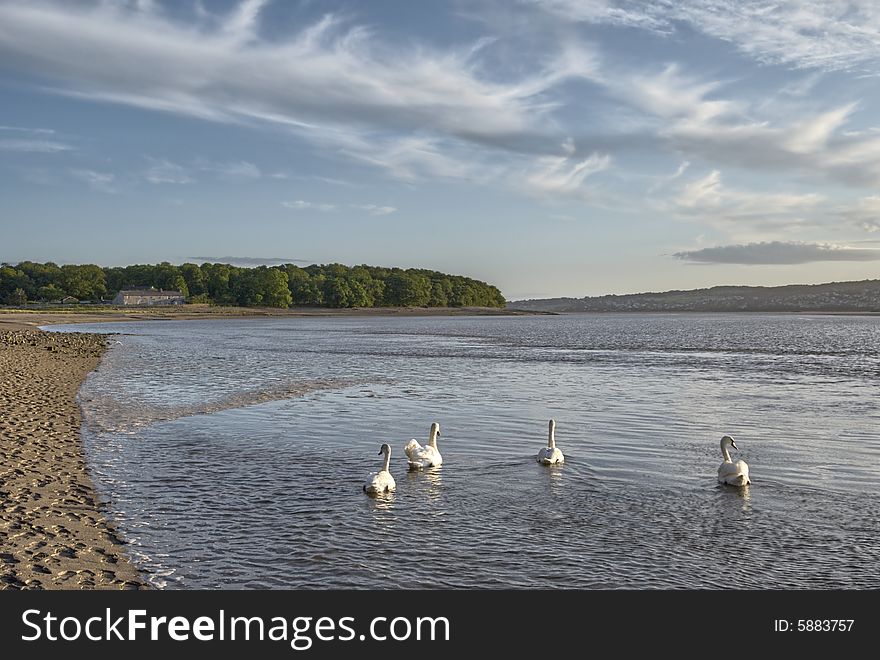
<point x="53" y="534"/>
<point x="18" y="319"/>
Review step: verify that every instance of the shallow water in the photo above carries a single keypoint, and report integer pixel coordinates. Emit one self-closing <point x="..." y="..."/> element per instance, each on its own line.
<point x="232" y="452"/>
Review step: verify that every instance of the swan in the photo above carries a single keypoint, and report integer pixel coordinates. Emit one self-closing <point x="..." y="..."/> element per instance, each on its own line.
<point x="551" y="454"/>
<point x="734" y="474"/>
<point x="382" y="481"/>
<point x="427" y="456"/>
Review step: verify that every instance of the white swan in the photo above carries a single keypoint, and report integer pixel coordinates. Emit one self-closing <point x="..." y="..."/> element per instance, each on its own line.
<point x="382" y="481"/>
<point x="427" y="456"/>
<point x="551" y="454"/>
<point x="734" y="474"/>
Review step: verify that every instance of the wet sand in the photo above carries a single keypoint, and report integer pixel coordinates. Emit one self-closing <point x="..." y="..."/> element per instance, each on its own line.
<point x="21" y="318"/>
<point x="52" y="533"/>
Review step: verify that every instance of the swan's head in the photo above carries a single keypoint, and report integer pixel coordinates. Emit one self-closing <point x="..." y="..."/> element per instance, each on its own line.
<point x="552" y="425"/>
<point x="435" y="429"/>
<point x="385" y="449"/>
<point x="728" y="441"/>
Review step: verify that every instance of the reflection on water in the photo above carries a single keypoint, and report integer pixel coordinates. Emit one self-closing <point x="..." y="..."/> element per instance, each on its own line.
<point x="266" y="492"/>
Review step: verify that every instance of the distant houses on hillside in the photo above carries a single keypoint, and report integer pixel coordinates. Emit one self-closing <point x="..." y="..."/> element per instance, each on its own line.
<point x="148" y="296"/>
<point x="859" y="296"/>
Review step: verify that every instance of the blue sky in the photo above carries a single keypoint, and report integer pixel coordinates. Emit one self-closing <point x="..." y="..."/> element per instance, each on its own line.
<point x="552" y="147"/>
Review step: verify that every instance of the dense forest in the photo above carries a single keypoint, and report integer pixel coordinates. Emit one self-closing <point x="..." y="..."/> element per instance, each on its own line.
<point x="333" y="285"/>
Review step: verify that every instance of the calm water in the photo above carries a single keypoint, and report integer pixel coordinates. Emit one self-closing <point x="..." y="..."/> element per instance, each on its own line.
<point x="232" y="452"/>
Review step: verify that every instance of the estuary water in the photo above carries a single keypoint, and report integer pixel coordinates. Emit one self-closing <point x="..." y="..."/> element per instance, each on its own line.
<point x="231" y="453"/>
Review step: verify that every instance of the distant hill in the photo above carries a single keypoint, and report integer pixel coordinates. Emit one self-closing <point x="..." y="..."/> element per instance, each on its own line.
<point x="862" y="296"/>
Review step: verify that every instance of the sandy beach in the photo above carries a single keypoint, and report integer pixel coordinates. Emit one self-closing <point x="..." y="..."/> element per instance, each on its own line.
<point x="52" y="533"/>
<point x="29" y="318"/>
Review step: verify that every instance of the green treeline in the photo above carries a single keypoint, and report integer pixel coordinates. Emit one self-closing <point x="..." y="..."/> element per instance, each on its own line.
<point x="333" y="285"/>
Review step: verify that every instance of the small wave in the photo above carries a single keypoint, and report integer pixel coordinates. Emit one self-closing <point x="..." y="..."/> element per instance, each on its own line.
<point x="104" y="413"/>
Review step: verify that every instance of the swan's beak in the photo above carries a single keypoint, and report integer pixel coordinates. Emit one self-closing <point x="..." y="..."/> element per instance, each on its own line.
<point x="733" y="444"/>
<point x="380" y="452"/>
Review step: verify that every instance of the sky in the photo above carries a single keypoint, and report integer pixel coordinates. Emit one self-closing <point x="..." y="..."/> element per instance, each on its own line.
<point x="550" y="147"/>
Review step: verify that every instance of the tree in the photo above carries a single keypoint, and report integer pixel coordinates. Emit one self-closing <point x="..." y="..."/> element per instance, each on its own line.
<point x="272" y="283"/>
<point x="18" y="297"/>
<point x="406" y="290"/>
<point x="50" y="292"/>
<point x="195" y="279"/>
<point x="86" y="282"/>
<point x="217" y="282"/>
<point x="335" y="285"/>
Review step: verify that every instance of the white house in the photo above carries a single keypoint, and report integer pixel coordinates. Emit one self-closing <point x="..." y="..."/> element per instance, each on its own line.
<point x="148" y="296"/>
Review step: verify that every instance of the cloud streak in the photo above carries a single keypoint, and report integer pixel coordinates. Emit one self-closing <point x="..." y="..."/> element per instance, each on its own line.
<point x="326" y="73"/>
<point x="163" y="171"/>
<point x="248" y="261"/>
<point x="302" y="205"/>
<point x="804" y="34"/>
<point x="708" y="201"/>
<point x="31" y="140"/>
<point x="99" y="181"/>
<point x="371" y="209"/>
<point x="777" y="253"/>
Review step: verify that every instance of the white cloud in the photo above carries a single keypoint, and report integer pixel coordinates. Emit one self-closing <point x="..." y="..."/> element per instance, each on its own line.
<point x="741" y="213"/>
<point x="21" y="129"/>
<point x="231" y="171"/>
<point x="34" y="146"/>
<point x="661" y="181"/>
<point x="33" y="140"/>
<point x="248" y="261"/>
<point x="163" y="171"/>
<point x="565" y="174"/>
<point x="302" y="205"/>
<point x="690" y="116"/>
<point x="371" y="209"/>
<point x="329" y="73"/>
<point x="374" y="209"/>
<point x="100" y="181"/>
<point x="865" y="213"/>
<point x="778" y="253"/>
<point x="826" y="35"/>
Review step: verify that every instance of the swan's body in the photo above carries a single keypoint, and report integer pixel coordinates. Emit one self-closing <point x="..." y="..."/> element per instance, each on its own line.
<point x="733" y="474"/>
<point x="427" y="456"/>
<point x="382" y="481"/>
<point x="550" y="454"/>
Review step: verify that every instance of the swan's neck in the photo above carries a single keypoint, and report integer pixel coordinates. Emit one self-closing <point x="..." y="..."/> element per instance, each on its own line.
<point x="726" y="453"/>
<point x="387" y="463"/>
<point x="432" y="441"/>
<point x="551" y="440"/>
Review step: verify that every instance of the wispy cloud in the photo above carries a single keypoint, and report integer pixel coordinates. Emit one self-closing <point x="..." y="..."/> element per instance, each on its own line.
<point x="330" y="72"/>
<point x="302" y="205"/>
<point x="33" y="146"/>
<point x="31" y="140"/>
<point x="777" y="253"/>
<point x="739" y="212"/>
<point x="22" y="129"/>
<point x="374" y="209"/>
<point x="231" y="171"/>
<point x="565" y="174"/>
<point x="100" y="181"/>
<point x="162" y="171"/>
<point x="248" y="261"/>
<point x="661" y="181"/>
<point x="289" y="176"/>
<point x="815" y="34"/>
<point x="371" y="209"/>
<point x="864" y="213"/>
